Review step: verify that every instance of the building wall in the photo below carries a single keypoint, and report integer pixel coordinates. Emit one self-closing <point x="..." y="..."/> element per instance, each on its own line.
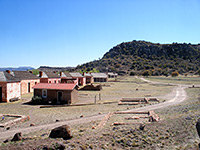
<point x="89" y="80"/>
<point x="4" y="91"/>
<point x="82" y="81"/>
<point x="24" y="85"/>
<point x="68" y="96"/>
<point x="74" y="96"/>
<point x="100" y="79"/>
<point x="50" y="80"/>
<point x="54" y="80"/>
<point x="13" y="90"/>
<point x="43" y="80"/>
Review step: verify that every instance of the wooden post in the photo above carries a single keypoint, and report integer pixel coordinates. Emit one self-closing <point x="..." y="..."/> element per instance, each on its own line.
<point x="99" y="96"/>
<point x="95" y="99"/>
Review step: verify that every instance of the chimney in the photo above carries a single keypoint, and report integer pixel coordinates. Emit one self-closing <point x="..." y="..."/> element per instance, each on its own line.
<point x="61" y="73"/>
<point x="8" y="71"/>
<point x="40" y="74"/>
<point x="83" y="73"/>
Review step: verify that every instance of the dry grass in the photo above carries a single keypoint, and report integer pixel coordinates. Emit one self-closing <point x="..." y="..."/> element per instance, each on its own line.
<point x="177" y="80"/>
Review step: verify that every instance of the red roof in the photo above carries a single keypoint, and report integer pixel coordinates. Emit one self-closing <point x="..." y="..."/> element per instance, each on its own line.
<point x="55" y="86"/>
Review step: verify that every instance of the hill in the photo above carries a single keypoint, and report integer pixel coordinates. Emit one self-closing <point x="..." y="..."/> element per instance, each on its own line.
<point x="47" y="68"/>
<point x="137" y="56"/>
<point x="17" y="69"/>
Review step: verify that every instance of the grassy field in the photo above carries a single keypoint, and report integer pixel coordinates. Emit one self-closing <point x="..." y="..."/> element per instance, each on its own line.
<point x="176" y="80"/>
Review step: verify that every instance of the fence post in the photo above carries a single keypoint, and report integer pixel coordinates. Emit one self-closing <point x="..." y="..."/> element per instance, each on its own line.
<point x="99" y="96"/>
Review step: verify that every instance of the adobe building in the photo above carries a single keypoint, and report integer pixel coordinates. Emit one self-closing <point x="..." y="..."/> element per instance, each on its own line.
<point x="100" y="77"/>
<point x="10" y="88"/>
<point x="60" y="93"/>
<point x="49" y="77"/>
<point x="88" y="77"/>
<point x="67" y="78"/>
<point x="81" y="79"/>
<point x="112" y="75"/>
<point x="27" y="80"/>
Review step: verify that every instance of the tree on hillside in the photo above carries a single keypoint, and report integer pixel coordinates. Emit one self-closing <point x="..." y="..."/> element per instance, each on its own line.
<point x="132" y="73"/>
<point x="146" y="73"/>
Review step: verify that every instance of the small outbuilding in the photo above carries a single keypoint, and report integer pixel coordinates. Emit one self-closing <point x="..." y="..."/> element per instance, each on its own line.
<point x="60" y="93"/>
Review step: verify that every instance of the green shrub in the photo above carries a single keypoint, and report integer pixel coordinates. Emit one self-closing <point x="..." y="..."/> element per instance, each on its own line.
<point x="132" y="73"/>
<point x="36" y="100"/>
<point x="146" y="73"/>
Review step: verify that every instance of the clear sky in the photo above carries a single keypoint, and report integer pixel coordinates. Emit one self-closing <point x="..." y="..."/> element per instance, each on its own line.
<point x="71" y="32"/>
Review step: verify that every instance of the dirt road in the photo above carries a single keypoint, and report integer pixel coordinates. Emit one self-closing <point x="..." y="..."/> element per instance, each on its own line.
<point x="178" y="95"/>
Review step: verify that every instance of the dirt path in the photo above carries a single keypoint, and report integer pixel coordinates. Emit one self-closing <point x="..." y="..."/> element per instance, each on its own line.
<point x="10" y="133"/>
<point x="178" y="95"/>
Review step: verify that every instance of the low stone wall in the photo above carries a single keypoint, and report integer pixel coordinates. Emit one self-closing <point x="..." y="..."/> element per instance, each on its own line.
<point x="19" y="119"/>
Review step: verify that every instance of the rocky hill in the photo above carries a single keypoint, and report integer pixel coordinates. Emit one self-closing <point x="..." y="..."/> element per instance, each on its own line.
<point x="137" y="56"/>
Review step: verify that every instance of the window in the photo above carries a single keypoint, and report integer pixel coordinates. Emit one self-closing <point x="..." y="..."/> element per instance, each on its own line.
<point x="44" y="93"/>
<point x="55" y="81"/>
<point x="49" y="81"/>
<point x="35" y="82"/>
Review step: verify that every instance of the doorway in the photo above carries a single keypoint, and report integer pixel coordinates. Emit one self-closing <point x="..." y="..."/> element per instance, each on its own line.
<point x="59" y="96"/>
<point x="29" y="87"/>
<point x="0" y="94"/>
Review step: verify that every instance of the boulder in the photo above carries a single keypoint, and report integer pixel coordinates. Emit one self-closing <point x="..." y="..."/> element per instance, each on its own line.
<point x="198" y="127"/>
<point x="141" y="127"/>
<point x="17" y="137"/>
<point x="61" y="132"/>
<point x="32" y="124"/>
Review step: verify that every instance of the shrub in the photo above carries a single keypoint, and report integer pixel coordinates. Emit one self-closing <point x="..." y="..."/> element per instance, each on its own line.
<point x="36" y="100"/>
<point x="175" y="74"/>
<point x="132" y="73"/>
<point x="146" y="73"/>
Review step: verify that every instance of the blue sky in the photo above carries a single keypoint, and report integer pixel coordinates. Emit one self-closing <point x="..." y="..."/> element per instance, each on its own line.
<point x="71" y="32"/>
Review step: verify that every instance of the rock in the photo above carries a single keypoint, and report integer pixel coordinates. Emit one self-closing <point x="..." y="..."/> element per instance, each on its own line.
<point x="198" y="127"/>
<point x="32" y="124"/>
<point x="142" y="126"/>
<point x="6" y="141"/>
<point x="81" y="116"/>
<point x="61" y="132"/>
<point x="188" y="118"/>
<point x="17" y="137"/>
<point x="8" y="128"/>
<point x="57" y="120"/>
<point x="44" y="147"/>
